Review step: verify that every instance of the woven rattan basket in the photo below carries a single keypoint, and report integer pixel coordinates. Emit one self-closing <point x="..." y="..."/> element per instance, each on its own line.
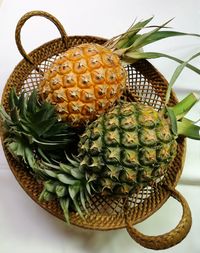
<point x="147" y="85"/>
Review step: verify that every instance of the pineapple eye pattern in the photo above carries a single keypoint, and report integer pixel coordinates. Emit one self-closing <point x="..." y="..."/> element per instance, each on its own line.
<point x="130" y="144"/>
<point x="93" y="73"/>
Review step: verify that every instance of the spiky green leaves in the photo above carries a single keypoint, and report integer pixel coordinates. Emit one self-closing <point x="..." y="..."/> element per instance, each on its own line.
<point x="38" y="122"/>
<point x="180" y="125"/>
<point x="35" y="125"/>
<point x="67" y="183"/>
<point x="129" y="45"/>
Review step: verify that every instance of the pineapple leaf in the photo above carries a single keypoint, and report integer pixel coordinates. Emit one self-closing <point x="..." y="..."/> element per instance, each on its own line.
<point x="4" y="116"/>
<point x="37" y="123"/>
<point x="159" y="35"/>
<point x="142" y="39"/>
<point x="184" y="106"/>
<point x="66" y="179"/>
<point x="50" y="185"/>
<point x="51" y="166"/>
<point x="68" y="186"/>
<point x="88" y="188"/>
<point x="60" y="190"/>
<point x="16" y="148"/>
<point x="82" y="199"/>
<point x="32" y="104"/>
<point x="14" y="115"/>
<point x="129" y="46"/>
<point x="43" y="156"/>
<point x="30" y="159"/>
<point x="132" y="57"/>
<point x="77" y="207"/>
<point x="176" y="74"/>
<point x="128" y="38"/>
<point x="66" y="168"/>
<point x="87" y="197"/>
<point x="45" y="195"/>
<point x="173" y="120"/>
<point x="73" y="190"/>
<point x="75" y="172"/>
<point x="72" y="161"/>
<point x="50" y="173"/>
<point x="64" y="203"/>
<point x="13" y="99"/>
<point x="187" y="128"/>
<point x="22" y="106"/>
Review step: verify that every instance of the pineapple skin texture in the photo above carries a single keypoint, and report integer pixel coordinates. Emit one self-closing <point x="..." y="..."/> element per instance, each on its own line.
<point x="126" y="149"/>
<point x="83" y="83"/>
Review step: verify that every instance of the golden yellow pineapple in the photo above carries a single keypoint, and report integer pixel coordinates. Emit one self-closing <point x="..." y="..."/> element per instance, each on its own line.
<point x="84" y="82"/>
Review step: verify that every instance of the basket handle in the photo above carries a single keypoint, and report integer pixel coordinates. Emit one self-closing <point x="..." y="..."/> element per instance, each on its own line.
<point x="166" y="240"/>
<point x="22" y="21"/>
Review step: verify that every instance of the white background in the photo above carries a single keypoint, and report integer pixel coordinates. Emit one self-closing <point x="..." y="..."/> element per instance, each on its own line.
<point x="24" y="226"/>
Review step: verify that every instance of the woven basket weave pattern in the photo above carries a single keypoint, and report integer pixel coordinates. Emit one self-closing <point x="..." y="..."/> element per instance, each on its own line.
<point x="145" y="85"/>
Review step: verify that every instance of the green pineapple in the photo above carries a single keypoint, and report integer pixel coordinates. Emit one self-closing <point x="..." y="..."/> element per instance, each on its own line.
<point x="88" y="79"/>
<point x="127" y="148"/>
<point x="122" y="151"/>
<point x="119" y="153"/>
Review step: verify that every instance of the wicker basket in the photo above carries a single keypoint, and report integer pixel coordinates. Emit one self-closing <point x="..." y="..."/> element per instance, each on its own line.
<point x="147" y="85"/>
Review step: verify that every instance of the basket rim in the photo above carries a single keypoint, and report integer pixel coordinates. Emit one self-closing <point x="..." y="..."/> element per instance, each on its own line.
<point x="32" y="67"/>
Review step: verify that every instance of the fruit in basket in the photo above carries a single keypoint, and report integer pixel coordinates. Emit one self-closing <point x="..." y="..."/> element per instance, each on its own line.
<point x="122" y="151"/>
<point x="129" y="147"/>
<point x="87" y="80"/>
<point x="31" y="129"/>
<point x="126" y="148"/>
<point x="119" y="153"/>
<point x="84" y="82"/>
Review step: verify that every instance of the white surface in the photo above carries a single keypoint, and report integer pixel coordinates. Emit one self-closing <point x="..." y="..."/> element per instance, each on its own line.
<point x="24" y="226"/>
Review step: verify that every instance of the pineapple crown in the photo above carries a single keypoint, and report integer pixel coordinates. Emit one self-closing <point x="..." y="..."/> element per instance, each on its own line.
<point x="73" y="187"/>
<point x="181" y="125"/>
<point x="129" y="45"/>
<point x="33" y="125"/>
<point x="69" y="184"/>
<point x="32" y="139"/>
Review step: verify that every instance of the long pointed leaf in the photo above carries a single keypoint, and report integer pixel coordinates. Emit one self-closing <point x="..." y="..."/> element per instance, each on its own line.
<point x="50" y="173"/>
<point x="141" y="40"/>
<point x="32" y="104"/>
<point x="67" y="179"/>
<point x="176" y="74"/>
<point x="188" y="129"/>
<point x="42" y="154"/>
<point x="128" y="38"/>
<point x="77" y="207"/>
<point x="173" y="120"/>
<point x="73" y="190"/>
<point x="134" y="56"/>
<point x="82" y="199"/>
<point x="45" y="195"/>
<point x="184" y="106"/>
<point x="60" y="190"/>
<point x="65" y="168"/>
<point x="50" y="185"/>
<point x="159" y="35"/>
<point x="64" y="203"/>
<point x="73" y="162"/>
<point x="12" y="99"/>
<point x="23" y="107"/>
